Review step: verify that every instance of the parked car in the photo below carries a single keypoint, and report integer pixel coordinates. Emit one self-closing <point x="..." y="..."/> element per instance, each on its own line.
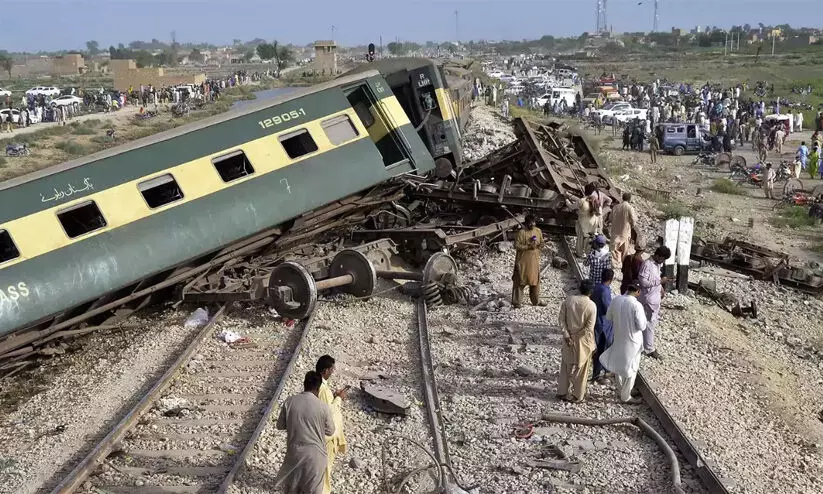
<point x="682" y="138"/>
<point x="609" y="109"/>
<point x="15" y="114"/>
<point x="4" y="92"/>
<point x="564" y="96"/>
<point x="623" y="116"/>
<point x="46" y="90"/>
<point x="67" y="100"/>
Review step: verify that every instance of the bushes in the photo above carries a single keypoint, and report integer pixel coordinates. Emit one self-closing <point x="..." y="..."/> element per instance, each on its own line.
<point x="793" y="217"/>
<point x="71" y="147"/>
<point x="726" y="186"/>
<point x="674" y="210"/>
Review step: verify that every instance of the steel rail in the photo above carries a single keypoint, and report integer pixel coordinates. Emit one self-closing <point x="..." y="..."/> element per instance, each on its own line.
<point x="441" y="446"/>
<point x="702" y="467"/>
<point x="84" y="469"/>
<point x="240" y="462"/>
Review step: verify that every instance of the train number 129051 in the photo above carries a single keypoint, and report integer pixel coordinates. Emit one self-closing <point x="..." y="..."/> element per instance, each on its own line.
<point x="281" y="119"/>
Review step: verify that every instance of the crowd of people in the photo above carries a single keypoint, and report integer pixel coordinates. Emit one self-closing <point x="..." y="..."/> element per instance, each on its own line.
<point x="603" y="336"/>
<point x="35" y="108"/>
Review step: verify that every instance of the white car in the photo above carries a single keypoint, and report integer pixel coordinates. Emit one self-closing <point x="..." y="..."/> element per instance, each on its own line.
<point x="45" y="90"/>
<point x="607" y="112"/>
<point x="65" y="100"/>
<point x="15" y="114"/>
<point x="4" y="92"/>
<point x="630" y="114"/>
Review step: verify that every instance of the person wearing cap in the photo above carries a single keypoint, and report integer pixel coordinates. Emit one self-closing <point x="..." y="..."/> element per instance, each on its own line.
<point x="623" y="356"/>
<point x="631" y="265"/>
<point x="651" y="294"/>
<point x="598" y="259"/>
<point x="578" y="315"/>
<point x="624" y="223"/>
<point x="527" y="243"/>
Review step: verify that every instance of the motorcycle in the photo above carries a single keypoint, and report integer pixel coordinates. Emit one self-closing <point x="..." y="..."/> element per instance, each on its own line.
<point x="708" y="160"/>
<point x="17" y="150"/>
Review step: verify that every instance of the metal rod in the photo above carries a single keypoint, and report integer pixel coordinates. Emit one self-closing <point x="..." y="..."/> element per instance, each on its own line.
<point x="400" y="275"/>
<point x="343" y="280"/>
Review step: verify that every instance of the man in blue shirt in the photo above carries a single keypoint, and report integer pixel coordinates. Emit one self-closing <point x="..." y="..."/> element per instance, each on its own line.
<point x="602" y="298"/>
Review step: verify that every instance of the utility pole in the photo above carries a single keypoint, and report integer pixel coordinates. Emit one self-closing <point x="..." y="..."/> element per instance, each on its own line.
<point x="381" y="46"/>
<point x="726" y="45"/>
<point x="457" y="27"/>
<point x="773" y="41"/>
<point x="332" y="32"/>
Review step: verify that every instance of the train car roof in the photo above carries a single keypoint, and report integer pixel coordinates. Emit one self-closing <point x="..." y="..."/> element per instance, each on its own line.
<point x="247" y="109"/>
<point x="393" y="64"/>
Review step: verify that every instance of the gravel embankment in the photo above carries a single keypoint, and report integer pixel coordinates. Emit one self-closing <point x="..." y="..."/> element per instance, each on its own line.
<point x="51" y="415"/>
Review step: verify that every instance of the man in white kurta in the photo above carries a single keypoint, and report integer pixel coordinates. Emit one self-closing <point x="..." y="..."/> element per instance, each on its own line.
<point x="623" y="357"/>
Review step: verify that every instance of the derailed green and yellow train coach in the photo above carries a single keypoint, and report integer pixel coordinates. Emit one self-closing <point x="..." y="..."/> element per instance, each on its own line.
<point x="75" y="232"/>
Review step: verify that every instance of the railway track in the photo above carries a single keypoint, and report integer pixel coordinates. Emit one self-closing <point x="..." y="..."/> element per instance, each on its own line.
<point x="197" y="425"/>
<point x="702" y="467"/>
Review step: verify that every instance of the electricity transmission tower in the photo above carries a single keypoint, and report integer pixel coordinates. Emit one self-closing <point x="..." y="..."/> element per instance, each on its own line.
<point x="602" y="22"/>
<point x="656" y="15"/>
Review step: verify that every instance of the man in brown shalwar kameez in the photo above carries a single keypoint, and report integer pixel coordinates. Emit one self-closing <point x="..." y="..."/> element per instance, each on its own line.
<point x="578" y="315"/>
<point x="624" y="223"/>
<point x="307" y="421"/>
<point x="527" y="263"/>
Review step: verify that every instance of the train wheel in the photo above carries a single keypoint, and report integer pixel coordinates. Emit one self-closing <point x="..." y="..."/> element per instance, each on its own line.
<point x="292" y="291"/>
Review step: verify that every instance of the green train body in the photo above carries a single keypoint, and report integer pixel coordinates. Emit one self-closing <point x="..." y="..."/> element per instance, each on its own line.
<point x="421" y="88"/>
<point x="76" y="232"/>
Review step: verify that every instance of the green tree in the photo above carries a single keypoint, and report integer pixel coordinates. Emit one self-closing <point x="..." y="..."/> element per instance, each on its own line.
<point x="6" y="62"/>
<point x="248" y="56"/>
<point x="283" y="55"/>
<point x="266" y="51"/>
<point x="93" y="47"/>
<point x="143" y="58"/>
<point x="395" y="48"/>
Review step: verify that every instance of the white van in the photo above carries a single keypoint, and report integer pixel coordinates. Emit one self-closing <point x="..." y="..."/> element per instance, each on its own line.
<point x="564" y="96"/>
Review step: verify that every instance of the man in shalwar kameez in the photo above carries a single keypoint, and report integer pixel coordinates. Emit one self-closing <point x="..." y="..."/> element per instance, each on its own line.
<point x="527" y="243"/>
<point x="651" y="294"/>
<point x="623" y="356"/>
<point x="307" y="421"/>
<point x="577" y="317"/>
<point x="624" y="222"/>
<point x="602" y="298"/>
<point x="336" y="443"/>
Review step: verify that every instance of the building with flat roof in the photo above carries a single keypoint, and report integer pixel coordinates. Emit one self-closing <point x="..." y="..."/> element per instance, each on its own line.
<point x="325" y="57"/>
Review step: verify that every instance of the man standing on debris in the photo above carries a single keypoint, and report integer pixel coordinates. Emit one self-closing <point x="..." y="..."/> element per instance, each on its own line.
<point x="768" y="181"/>
<point x="307" y="421"/>
<point x="527" y="243"/>
<point x="651" y="294"/>
<point x="624" y="223"/>
<point x="577" y="318"/>
<point x="335" y="444"/>
<point x="602" y="297"/>
<point x="623" y="356"/>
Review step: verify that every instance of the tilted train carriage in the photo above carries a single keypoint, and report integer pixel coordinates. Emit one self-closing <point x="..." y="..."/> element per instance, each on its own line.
<point x="421" y="88"/>
<point x="74" y="233"/>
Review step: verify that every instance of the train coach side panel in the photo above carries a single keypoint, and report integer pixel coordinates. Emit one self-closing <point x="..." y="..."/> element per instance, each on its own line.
<point x="97" y="265"/>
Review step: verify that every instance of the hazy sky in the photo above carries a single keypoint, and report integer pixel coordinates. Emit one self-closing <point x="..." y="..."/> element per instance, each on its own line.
<point x="363" y="21"/>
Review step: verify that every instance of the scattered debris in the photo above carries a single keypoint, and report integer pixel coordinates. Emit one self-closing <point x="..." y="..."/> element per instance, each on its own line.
<point x="385" y="400"/>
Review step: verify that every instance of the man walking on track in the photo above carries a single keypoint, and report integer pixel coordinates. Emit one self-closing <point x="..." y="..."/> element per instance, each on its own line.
<point x="335" y="444"/>
<point x="623" y="356"/>
<point x="307" y="421"/>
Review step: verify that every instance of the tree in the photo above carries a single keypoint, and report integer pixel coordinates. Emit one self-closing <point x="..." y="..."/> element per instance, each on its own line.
<point x="237" y="42"/>
<point x="283" y="55"/>
<point x="395" y="48"/>
<point x="93" y="47"/>
<point x="266" y="51"/>
<point x="6" y="62"/>
<point x="196" y="56"/>
<point x="248" y="56"/>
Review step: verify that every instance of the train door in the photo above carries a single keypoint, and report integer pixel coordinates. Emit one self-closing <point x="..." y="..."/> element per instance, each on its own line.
<point x="381" y="126"/>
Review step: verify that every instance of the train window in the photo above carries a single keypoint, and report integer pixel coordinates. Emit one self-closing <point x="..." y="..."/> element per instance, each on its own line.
<point x="233" y="166"/>
<point x="8" y="250"/>
<point x="81" y="219"/>
<point x="160" y="191"/>
<point x="298" y="143"/>
<point x="339" y="129"/>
